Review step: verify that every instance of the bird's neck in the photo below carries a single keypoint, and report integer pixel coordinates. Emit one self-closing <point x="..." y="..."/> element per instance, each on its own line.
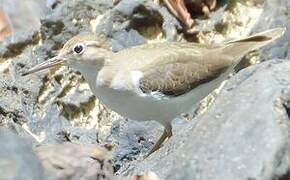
<point x="89" y="72"/>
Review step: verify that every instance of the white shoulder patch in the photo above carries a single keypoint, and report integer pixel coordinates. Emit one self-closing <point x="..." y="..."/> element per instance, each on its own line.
<point x="136" y="76"/>
<point x="127" y="81"/>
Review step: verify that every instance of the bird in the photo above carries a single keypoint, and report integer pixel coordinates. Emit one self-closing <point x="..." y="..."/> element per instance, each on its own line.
<point x="157" y="81"/>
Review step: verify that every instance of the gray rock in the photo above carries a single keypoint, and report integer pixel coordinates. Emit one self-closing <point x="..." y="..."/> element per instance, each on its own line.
<point x="58" y="106"/>
<point x="68" y="19"/>
<point x="144" y="17"/>
<point x="132" y="140"/>
<point x="243" y="135"/>
<point x="14" y="45"/>
<point x="123" y="39"/>
<point x="72" y="161"/>
<point x="105" y="26"/>
<point x="17" y="160"/>
<point x="275" y="14"/>
<point x="24" y="16"/>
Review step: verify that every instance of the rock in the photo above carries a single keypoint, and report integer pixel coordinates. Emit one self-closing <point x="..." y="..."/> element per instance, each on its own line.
<point x="17" y="160"/>
<point x="145" y="17"/>
<point x="275" y="14"/>
<point x="57" y="106"/>
<point x="124" y="39"/>
<point x="242" y="135"/>
<point x="72" y="161"/>
<point x="13" y="46"/>
<point x="53" y="3"/>
<point x="228" y="21"/>
<point x="24" y="16"/>
<point x="132" y="139"/>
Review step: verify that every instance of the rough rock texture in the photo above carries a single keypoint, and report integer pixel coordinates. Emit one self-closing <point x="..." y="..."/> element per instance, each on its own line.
<point x="24" y="16"/>
<point x="244" y="134"/>
<point x="47" y="105"/>
<point x="62" y="161"/>
<point x="57" y="106"/>
<point x="146" y="17"/>
<point x="275" y="14"/>
<point x="74" y="161"/>
<point x="17" y="160"/>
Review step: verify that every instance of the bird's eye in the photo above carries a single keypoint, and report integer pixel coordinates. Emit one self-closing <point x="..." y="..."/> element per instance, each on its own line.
<point x="79" y="48"/>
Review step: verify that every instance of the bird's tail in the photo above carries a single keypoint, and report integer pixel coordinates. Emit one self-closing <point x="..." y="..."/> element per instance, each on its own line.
<point x="238" y="48"/>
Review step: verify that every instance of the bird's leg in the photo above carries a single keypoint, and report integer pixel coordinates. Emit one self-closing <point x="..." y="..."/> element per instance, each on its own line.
<point x="167" y="133"/>
<point x="178" y="9"/>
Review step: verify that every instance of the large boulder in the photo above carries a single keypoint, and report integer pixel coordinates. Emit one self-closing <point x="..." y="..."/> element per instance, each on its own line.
<point x="17" y="159"/>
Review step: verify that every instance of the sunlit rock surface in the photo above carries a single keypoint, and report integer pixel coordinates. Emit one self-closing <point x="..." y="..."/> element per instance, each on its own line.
<point x="56" y="106"/>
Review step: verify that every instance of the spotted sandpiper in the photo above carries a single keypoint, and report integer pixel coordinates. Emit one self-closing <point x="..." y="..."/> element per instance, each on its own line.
<point x="154" y="81"/>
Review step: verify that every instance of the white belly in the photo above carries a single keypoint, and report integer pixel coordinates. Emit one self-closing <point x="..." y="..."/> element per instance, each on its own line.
<point x="135" y="107"/>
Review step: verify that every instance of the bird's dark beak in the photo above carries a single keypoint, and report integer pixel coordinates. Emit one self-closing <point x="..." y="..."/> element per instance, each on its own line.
<point x="46" y="64"/>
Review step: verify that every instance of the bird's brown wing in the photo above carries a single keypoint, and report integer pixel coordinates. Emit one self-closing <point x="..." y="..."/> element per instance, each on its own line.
<point x="177" y="78"/>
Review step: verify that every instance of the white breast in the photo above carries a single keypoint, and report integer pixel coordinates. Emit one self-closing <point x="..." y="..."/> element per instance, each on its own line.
<point x="128" y="81"/>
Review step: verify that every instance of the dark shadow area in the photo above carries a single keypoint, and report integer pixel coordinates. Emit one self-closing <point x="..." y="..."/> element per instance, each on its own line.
<point x="283" y="177"/>
<point x="147" y="22"/>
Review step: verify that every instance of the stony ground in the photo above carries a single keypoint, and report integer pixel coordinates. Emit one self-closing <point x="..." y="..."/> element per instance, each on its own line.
<point x="52" y="127"/>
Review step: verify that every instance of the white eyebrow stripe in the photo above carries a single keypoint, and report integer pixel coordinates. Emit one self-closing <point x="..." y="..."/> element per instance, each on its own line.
<point x="98" y="44"/>
<point x="90" y="43"/>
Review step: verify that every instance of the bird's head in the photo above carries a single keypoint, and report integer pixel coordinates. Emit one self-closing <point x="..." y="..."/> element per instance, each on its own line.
<point x="80" y="52"/>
